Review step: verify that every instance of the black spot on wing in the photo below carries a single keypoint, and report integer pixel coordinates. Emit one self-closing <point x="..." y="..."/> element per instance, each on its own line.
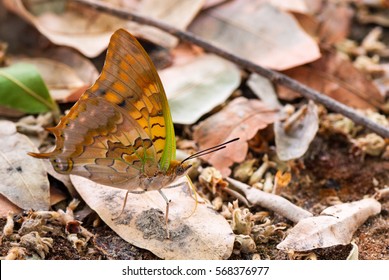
<point x="122" y="104"/>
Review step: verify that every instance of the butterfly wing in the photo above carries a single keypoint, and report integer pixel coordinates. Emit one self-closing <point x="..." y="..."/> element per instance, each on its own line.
<point x="121" y="124"/>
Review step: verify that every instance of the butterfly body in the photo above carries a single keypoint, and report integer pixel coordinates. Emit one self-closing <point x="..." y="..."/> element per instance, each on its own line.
<point x="120" y="132"/>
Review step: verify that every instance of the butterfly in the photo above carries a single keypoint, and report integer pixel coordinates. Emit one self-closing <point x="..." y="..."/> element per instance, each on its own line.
<point x="120" y="132"/>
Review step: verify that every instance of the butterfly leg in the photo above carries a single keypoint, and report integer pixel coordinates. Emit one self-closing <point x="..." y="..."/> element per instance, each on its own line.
<point x="125" y="202"/>
<point x="175" y="186"/>
<point x="167" y="213"/>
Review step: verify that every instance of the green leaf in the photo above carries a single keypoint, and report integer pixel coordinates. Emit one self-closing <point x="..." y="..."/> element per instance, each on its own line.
<point x="22" y="88"/>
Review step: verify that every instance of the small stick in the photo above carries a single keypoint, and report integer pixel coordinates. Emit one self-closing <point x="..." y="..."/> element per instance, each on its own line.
<point x="270" y="201"/>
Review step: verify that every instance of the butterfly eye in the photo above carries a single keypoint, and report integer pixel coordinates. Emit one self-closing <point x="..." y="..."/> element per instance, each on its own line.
<point x="181" y="169"/>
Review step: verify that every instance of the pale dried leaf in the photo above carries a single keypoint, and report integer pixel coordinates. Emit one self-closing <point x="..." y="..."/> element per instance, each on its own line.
<point x="176" y="13"/>
<point x="203" y="235"/>
<point x="197" y="87"/>
<point x="243" y="28"/>
<point x="335" y="225"/>
<point x="23" y="179"/>
<point x="299" y="6"/>
<point x="212" y="3"/>
<point x="240" y="118"/>
<point x="293" y="141"/>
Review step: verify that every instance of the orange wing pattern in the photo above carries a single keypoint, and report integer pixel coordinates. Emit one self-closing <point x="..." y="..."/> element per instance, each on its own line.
<point x="121" y="127"/>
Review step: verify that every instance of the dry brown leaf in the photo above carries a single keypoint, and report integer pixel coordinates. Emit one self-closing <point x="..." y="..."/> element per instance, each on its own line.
<point x="74" y="26"/>
<point x="88" y="30"/>
<point x="294" y="135"/>
<point x="334" y="22"/>
<point x="330" y="23"/>
<point x="240" y="118"/>
<point x="195" y="88"/>
<point x="56" y="195"/>
<point x="203" y="235"/>
<point x="6" y="206"/>
<point x="10" y="113"/>
<point x="256" y="31"/>
<point x="337" y="78"/>
<point x="335" y="225"/>
<point x="23" y="179"/>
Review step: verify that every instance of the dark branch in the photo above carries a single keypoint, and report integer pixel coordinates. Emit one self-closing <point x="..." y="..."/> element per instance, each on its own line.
<point x="274" y="76"/>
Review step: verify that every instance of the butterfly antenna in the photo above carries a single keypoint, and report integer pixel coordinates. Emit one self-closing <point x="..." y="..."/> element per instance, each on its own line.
<point x="210" y="150"/>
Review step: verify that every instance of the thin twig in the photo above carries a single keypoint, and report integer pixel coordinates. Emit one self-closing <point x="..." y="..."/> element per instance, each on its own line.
<point x="274" y="76"/>
<point x="270" y="201"/>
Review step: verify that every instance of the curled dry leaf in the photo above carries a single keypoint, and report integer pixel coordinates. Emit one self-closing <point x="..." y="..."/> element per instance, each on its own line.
<point x="264" y="89"/>
<point x="240" y="118"/>
<point x="89" y="30"/>
<point x="64" y="178"/>
<point x="199" y="86"/>
<point x="294" y="135"/>
<point x="61" y="80"/>
<point x="68" y="25"/>
<point x="23" y="180"/>
<point x="6" y="206"/>
<point x="67" y="73"/>
<point x="202" y="234"/>
<point x="337" y="78"/>
<point x="259" y="41"/>
<point x="335" y="225"/>
<point x="354" y="253"/>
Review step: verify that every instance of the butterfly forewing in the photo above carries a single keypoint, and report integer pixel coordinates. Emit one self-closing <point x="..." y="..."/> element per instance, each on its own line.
<point x="132" y="82"/>
<point x="120" y="125"/>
